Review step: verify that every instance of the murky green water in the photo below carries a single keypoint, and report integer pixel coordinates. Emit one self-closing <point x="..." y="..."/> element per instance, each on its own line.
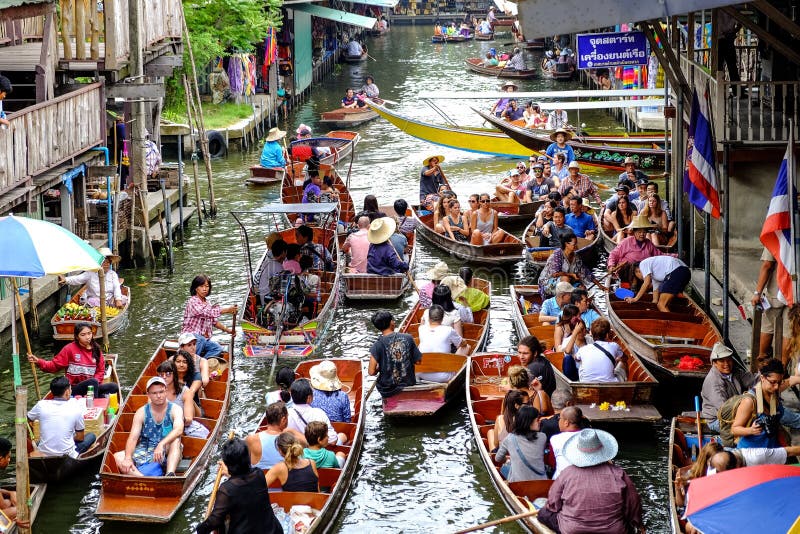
<point x="423" y="476"/>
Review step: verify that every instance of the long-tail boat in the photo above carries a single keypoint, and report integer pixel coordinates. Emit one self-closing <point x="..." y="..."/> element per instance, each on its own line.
<point x="484" y="36"/>
<point x="514" y="213"/>
<point x="475" y="64"/>
<point x="157" y="499"/>
<point x="586" y="151"/>
<point x="459" y="38"/>
<point x="347" y="117"/>
<point x="509" y="250"/>
<point x="59" y="468"/>
<point x="292" y="190"/>
<point x="637" y="392"/>
<point x="347" y="58"/>
<point x="484" y="399"/>
<point x="537" y="255"/>
<point x="35" y="502"/>
<point x="285" y="341"/>
<point x="265" y="175"/>
<point x="334" y="483"/>
<point x="64" y="327"/>
<point x="449" y="370"/>
<point x="684" y="446"/>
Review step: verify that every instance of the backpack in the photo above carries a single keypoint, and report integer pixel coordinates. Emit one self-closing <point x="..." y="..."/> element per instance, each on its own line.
<point x="726" y="415"/>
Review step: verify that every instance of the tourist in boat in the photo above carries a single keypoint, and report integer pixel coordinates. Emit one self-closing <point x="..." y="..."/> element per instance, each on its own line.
<point x="570" y="422"/>
<point x="444" y="298"/>
<point x="490" y="60"/>
<point x="455" y="225"/>
<point x="301" y="152"/>
<point x="8" y="498"/>
<point x="559" y="170"/>
<point x="292" y="261"/>
<point x="652" y="189"/>
<point x="371" y="208"/>
<point x="61" y="426"/>
<point x="631" y="175"/>
<point x="565" y="265"/>
<point x="529" y="352"/>
<point x="511" y="188"/>
<point x="431" y="177"/>
<point x="525" y="446"/>
<point x="312" y="191"/>
<point x="500" y="106"/>
<point x="328" y="394"/>
<point x="317" y="438"/>
<point x="581" y="185"/>
<point x="524" y="175"/>
<point x="392" y="356"/>
<point x="405" y="224"/>
<point x="303" y="412"/>
<point x="557" y="120"/>
<point x="435" y="336"/>
<point x="560" y="146"/>
<point x="639" y="196"/>
<point x="188" y="343"/>
<point x="512" y="402"/>
<point x="513" y="112"/>
<point x="778" y="312"/>
<point x="357" y="246"/>
<point x="484" y="27"/>
<point x="474" y="202"/>
<point x="270" y="266"/>
<point x="619" y="192"/>
<point x="520" y="378"/>
<point x="620" y="219"/>
<point x="199" y="315"/>
<point x="457" y="288"/>
<point x="441" y="209"/>
<point x="83" y="363"/>
<point x="551" y="307"/>
<point x="549" y="62"/>
<point x="726" y="460"/>
<point x="263" y="451"/>
<point x="569" y="336"/>
<point x="294" y="473"/>
<point x="592" y="494"/>
<point x="635" y="247"/>
<point x="697" y="469"/>
<point x="582" y="224"/>
<point x="351" y="100"/>
<point x="320" y="256"/>
<point x="113" y="285"/>
<point x="382" y="257"/>
<point x="154" y="444"/>
<point x="484" y="223"/>
<point x="283" y="379"/>
<point x="435" y="274"/>
<point x="668" y="275"/>
<point x="273" y="155"/>
<point x="533" y="116"/>
<point x="182" y="396"/>
<point x="652" y="210"/>
<point x="723" y="381"/>
<point x="537" y="187"/>
<point x="242" y="502"/>
<point x="554" y="229"/>
<point x="369" y="88"/>
<point x="602" y="360"/>
<point x="561" y="399"/>
<point x="580" y="298"/>
<point x="474" y="298"/>
<point x="328" y="192"/>
<point x="354" y="48"/>
<point x="491" y="17"/>
<point x="188" y="374"/>
<point x="545" y="215"/>
<point x="517" y="61"/>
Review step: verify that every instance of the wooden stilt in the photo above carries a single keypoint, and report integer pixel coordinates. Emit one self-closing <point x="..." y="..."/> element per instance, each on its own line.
<point x="23" y="486"/>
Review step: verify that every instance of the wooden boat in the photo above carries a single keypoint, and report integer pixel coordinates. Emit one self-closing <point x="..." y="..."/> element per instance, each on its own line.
<point x="475" y="64"/>
<point x="265" y="175"/>
<point x="661" y="339"/>
<point x="609" y="244"/>
<point x="484" y="398"/>
<point x="586" y="150"/>
<point x="64" y="329"/>
<point x="355" y="59"/>
<point x="537" y="255"/>
<point x="637" y="392"/>
<point x="292" y="190"/>
<point x="563" y="72"/>
<point x="334" y="483"/>
<point x="157" y="499"/>
<point x="683" y="449"/>
<point x="37" y="492"/>
<point x="347" y="117"/>
<point x="339" y="143"/>
<point x="59" y="468"/>
<point x="303" y="339"/>
<point x="513" y="213"/>
<point x="509" y="250"/>
<point x="428" y="397"/>
<point x="484" y="36"/>
<point x="452" y="38"/>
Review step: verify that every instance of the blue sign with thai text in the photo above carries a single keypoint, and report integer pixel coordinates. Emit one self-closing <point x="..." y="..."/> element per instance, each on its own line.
<point x="611" y="49"/>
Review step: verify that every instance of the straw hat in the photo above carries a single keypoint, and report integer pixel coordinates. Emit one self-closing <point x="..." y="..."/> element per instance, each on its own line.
<point x="427" y="160"/>
<point x="629" y="160"/>
<point x="585" y="202"/>
<point x="324" y="377"/>
<point x="640" y="221"/>
<point x="275" y="133"/>
<point x="456" y="285"/>
<point x="590" y="447"/>
<point x="107" y="253"/>
<point x="574" y="165"/>
<point x="509" y="84"/>
<point x="720" y="351"/>
<point x="381" y="229"/>
<point x="438" y="271"/>
<point x="567" y="134"/>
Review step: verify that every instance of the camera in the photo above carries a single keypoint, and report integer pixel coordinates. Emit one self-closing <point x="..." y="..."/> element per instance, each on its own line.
<point x="765" y="422"/>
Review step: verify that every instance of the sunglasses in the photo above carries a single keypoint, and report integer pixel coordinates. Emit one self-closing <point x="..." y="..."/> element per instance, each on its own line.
<point x="484" y="201"/>
<point x="165" y="373"/>
<point x="473" y="201"/>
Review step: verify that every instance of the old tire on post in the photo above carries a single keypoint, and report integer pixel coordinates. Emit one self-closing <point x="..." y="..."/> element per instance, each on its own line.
<point x="217" y="147"/>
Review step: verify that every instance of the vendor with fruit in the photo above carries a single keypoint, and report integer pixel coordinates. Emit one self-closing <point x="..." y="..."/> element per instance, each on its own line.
<point x="84" y="363"/>
<point x="91" y="296"/>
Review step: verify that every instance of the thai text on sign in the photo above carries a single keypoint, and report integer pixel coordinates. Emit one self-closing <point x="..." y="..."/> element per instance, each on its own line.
<point x="611" y="49"/>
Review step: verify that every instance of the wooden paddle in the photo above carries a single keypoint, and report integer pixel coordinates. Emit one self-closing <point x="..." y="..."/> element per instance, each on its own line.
<point x="25" y="332"/>
<point x="496" y="522"/>
<point x="408" y="273"/>
<point x="213" y="497"/>
<point x="699" y="423"/>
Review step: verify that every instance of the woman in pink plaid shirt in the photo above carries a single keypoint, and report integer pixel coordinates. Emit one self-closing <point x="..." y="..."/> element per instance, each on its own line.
<point x="200" y="316"/>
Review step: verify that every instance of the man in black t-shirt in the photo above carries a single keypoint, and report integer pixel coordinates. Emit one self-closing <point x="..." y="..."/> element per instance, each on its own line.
<point x="392" y="356"/>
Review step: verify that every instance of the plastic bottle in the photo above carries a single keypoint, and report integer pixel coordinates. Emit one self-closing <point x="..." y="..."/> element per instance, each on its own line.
<point x="110" y="414"/>
<point x="90" y="397"/>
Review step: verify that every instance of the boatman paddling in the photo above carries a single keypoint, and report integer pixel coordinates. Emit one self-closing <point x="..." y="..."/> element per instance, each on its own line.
<point x="431" y="177"/>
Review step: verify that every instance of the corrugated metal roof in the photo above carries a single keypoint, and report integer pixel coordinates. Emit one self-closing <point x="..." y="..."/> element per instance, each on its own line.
<point x="15" y="3"/>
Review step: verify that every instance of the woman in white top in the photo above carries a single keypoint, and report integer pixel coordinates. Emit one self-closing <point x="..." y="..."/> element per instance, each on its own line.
<point x="569" y="336"/>
<point x="484" y="223"/>
<point x="444" y="298"/>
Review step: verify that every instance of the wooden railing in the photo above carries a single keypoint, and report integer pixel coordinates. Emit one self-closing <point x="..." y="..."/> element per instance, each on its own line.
<point x="49" y="133"/>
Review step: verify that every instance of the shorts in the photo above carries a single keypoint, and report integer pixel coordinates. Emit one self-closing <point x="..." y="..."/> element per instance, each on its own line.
<point x="676" y="281"/>
<point x="770" y="318"/>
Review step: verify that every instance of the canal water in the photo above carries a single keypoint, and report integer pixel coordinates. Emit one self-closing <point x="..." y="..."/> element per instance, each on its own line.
<point x="417" y="476"/>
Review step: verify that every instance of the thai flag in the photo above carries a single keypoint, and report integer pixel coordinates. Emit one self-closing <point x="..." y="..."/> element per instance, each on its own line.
<point x="776" y="232"/>
<point x="700" y="176"/>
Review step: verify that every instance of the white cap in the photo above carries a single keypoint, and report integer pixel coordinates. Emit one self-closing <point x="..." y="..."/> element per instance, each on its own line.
<point x="185" y="338"/>
<point x="574" y="165"/>
<point x="155" y="380"/>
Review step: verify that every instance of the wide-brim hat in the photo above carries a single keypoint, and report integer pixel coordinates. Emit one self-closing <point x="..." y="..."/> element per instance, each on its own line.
<point x="590" y="447"/>
<point x="509" y="84"/>
<point x="108" y="253"/>
<point x="427" y="160"/>
<point x="438" y="271"/>
<point x="566" y="133"/>
<point x="456" y="285"/>
<point x="381" y="229"/>
<point x="324" y="376"/>
<point x="585" y="202"/>
<point x="275" y="133"/>
<point x="719" y="351"/>
<point x="640" y="222"/>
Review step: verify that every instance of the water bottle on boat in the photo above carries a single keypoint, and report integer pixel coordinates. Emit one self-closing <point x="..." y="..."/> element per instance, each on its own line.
<point x="90" y="397"/>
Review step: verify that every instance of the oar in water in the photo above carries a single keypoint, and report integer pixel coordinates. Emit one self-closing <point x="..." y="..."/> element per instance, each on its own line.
<point x="496" y="522"/>
<point x="217" y="481"/>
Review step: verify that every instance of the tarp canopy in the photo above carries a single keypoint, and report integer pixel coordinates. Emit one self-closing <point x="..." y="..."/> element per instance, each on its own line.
<point x="314" y="208"/>
<point x="336" y="15"/>
<point x="379" y="3"/>
<point x="509" y="8"/>
<point x="545" y="18"/>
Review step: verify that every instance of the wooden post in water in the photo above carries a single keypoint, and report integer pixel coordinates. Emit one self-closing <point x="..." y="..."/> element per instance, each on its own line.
<point x="23" y="486"/>
<point x="194" y="149"/>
